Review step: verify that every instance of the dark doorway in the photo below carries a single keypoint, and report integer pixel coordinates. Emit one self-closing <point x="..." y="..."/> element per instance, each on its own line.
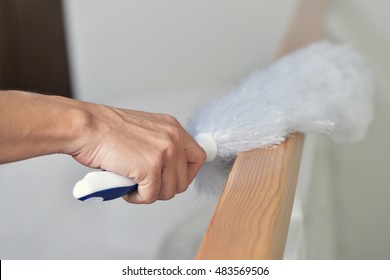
<point x="33" y="54"/>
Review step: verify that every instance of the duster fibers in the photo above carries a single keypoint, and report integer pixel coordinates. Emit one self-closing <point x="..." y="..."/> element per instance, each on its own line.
<point x="323" y="88"/>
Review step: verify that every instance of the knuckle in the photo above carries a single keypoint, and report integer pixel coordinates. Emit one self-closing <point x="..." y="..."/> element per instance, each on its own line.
<point x="170" y="119"/>
<point x="172" y="126"/>
<point x="170" y="151"/>
<point x="168" y="148"/>
<point x="172" y="133"/>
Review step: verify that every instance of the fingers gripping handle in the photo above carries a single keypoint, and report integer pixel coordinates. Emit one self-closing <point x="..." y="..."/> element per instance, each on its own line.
<point x="104" y="185"/>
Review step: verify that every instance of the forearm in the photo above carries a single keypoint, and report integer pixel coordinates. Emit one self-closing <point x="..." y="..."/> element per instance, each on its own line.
<point x="33" y="125"/>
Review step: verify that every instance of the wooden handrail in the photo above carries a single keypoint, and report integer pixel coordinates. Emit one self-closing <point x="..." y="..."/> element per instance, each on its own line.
<point x="253" y="214"/>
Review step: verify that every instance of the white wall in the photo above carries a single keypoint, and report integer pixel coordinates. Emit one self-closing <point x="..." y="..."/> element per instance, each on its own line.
<point x="361" y="172"/>
<point x="126" y="48"/>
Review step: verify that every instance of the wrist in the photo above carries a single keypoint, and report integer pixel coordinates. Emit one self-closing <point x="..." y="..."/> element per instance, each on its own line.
<point x="78" y="130"/>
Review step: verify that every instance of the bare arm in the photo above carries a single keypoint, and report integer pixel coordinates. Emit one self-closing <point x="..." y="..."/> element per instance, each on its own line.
<point x="153" y="149"/>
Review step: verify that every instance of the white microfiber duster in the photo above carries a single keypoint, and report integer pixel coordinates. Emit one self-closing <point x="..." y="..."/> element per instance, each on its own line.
<point x="323" y="88"/>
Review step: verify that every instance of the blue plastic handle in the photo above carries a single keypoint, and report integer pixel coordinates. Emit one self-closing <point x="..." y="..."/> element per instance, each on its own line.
<point x="103" y="186"/>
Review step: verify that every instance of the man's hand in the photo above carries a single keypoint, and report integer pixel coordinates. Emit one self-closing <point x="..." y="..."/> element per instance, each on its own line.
<point x="152" y="149"/>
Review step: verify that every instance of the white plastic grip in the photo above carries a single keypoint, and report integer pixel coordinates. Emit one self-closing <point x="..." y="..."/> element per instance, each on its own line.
<point x="207" y="142"/>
